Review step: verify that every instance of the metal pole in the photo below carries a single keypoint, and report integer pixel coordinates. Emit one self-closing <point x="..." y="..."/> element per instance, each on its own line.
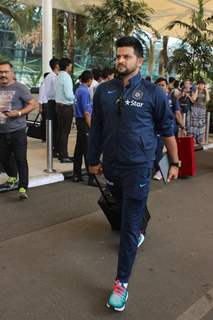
<point x="207" y="127"/>
<point x="46" y="56"/>
<point x="49" y="139"/>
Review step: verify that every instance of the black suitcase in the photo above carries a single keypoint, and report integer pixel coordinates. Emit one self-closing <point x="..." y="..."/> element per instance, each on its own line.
<point x="109" y="207"/>
<point x="34" y="129"/>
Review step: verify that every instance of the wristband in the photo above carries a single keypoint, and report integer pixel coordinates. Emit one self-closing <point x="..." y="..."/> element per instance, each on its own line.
<point x="19" y="114"/>
<point x="176" y="164"/>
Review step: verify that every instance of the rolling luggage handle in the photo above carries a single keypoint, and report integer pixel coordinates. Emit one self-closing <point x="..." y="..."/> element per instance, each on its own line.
<point x="101" y="189"/>
<point x="36" y="118"/>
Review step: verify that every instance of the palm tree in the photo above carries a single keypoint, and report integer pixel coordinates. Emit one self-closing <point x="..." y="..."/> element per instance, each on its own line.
<point x="163" y="57"/>
<point x="58" y="32"/>
<point x="197" y="44"/>
<point x="26" y="18"/>
<point x="114" y="18"/>
<point x="25" y="21"/>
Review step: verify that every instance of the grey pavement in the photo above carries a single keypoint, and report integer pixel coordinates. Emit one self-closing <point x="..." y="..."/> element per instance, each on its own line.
<point x="58" y="254"/>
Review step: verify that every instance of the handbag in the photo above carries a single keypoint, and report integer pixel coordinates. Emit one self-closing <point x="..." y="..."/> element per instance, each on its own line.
<point x="34" y="129"/>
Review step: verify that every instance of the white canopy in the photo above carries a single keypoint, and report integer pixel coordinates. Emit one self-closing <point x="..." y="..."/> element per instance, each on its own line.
<point x="165" y="11"/>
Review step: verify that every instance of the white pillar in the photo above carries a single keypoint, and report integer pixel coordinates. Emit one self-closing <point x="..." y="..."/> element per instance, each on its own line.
<point x="46" y="34"/>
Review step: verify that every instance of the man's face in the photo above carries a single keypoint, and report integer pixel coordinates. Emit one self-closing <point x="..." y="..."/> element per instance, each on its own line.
<point x="89" y="82"/>
<point x="187" y="84"/>
<point x="6" y="74"/>
<point x="163" y="85"/>
<point x="201" y="86"/>
<point x="69" y="68"/>
<point x="126" y="61"/>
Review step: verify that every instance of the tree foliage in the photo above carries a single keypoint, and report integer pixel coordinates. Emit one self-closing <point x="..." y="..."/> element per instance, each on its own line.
<point x="194" y="58"/>
<point x="112" y="19"/>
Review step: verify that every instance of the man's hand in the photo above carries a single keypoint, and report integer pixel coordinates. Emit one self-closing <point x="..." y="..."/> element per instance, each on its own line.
<point x="12" y="114"/>
<point x="173" y="173"/>
<point x="96" y="170"/>
<point x="182" y="132"/>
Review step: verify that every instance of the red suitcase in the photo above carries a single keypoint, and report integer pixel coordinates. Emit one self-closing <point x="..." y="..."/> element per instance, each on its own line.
<point x="186" y="154"/>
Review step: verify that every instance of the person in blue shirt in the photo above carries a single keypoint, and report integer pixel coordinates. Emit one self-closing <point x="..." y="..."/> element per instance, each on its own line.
<point x="127" y="113"/>
<point x="83" y="111"/>
<point x="177" y="122"/>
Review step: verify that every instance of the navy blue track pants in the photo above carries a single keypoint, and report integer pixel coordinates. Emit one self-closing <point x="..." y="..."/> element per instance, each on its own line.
<point x="130" y="188"/>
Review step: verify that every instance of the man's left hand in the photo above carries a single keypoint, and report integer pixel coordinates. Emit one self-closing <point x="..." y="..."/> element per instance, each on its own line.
<point x="173" y="173"/>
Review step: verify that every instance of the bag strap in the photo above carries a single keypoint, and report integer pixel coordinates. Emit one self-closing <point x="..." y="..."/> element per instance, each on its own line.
<point x="36" y="118"/>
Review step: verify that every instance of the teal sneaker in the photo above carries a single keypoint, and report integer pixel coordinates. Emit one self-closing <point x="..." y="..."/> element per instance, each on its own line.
<point x="141" y="239"/>
<point x="22" y="194"/>
<point x="118" y="297"/>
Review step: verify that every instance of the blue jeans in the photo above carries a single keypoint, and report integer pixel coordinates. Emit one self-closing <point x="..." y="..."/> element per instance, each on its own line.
<point x="130" y="188"/>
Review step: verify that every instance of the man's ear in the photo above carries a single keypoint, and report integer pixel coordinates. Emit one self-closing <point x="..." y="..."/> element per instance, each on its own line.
<point x="140" y="61"/>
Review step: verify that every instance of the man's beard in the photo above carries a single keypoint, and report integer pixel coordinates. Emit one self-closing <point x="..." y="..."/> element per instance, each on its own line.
<point x="124" y="71"/>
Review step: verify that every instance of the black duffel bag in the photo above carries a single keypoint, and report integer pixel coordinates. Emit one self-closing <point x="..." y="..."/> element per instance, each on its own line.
<point x="109" y="207"/>
<point x="34" y="129"/>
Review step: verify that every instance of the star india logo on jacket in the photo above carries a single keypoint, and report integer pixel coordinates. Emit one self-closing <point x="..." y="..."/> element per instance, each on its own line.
<point x="137" y="94"/>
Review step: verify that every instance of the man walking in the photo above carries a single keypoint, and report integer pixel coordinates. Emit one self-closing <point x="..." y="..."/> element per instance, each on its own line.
<point x="127" y="113"/>
<point x="15" y="102"/>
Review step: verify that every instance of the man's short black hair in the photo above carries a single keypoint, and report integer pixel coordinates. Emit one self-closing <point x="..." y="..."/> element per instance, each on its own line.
<point x="187" y="79"/>
<point x="161" y="79"/>
<point x="53" y="63"/>
<point x="86" y="76"/>
<point x="201" y="81"/>
<point x="176" y="84"/>
<point x="6" y="62"/>
<point x="171" y="79"/>
<point x="45" y="74"/>
<point x="97" y="74"/>
<point x="131" y="42"/>
<point x="64" y="63"/>
<point x="107" y="72"/>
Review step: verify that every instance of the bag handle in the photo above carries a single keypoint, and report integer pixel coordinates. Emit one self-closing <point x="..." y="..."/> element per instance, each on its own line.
<point x="101" y="189"/>
<point x="36" y="118"/>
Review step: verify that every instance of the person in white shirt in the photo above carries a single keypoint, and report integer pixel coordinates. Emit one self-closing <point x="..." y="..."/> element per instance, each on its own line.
<point x="64" y="108"/>
<point x="50" y="92"/>
<point x="97" y="74"/>
<point x="42" y="100"/>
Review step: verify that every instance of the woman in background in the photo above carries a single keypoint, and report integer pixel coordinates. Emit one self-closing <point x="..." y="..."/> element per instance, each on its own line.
<point x="198" y="112"/>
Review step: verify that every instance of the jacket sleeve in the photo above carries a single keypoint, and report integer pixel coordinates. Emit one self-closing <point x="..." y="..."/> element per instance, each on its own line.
<point x="163" y="116"/>
<point x="96" y="131"/>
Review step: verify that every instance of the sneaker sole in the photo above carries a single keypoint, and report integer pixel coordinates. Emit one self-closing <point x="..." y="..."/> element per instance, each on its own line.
<point x="117" y="309"/>
<point x="23" y="197"/>
<point x="157" y="179"/>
